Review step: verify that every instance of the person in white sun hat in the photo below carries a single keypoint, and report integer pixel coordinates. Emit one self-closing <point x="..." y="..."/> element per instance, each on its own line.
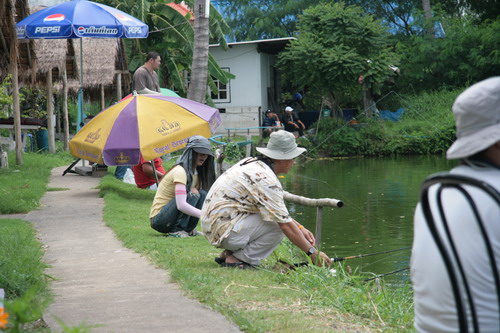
<point x="477" y="118"/>
<point x="245" y="214"/>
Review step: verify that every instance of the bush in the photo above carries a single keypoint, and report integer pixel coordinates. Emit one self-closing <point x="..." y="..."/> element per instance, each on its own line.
<point x="426" y="127"/>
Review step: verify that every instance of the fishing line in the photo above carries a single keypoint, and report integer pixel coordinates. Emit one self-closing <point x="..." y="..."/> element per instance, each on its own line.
<point x="385" y="274"/>
<point x="337" y="259"/>
<point x="382" y="259"/>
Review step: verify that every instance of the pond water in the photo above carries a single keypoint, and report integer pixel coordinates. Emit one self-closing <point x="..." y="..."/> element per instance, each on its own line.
<point x="380" y="195"/>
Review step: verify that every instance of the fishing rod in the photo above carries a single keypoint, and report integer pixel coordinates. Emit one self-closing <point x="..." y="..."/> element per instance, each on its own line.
<point x="380" y="275"/>
<point x="337" y="259"/>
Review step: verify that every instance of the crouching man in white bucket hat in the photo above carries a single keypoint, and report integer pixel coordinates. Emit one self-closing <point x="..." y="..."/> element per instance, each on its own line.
<point x="244" y="211"/>
<point x="477" y="117"/>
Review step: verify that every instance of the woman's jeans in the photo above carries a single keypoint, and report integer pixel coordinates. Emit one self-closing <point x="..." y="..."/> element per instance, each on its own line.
<point x="170" y="219"/>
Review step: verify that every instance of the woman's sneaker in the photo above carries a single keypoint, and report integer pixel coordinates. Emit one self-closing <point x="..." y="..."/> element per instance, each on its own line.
<point x="179" y="234"/>
<point x="193" y="233"/>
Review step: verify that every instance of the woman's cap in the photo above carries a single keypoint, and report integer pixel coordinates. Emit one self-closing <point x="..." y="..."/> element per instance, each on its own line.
<point x="477" y="118"/>
<point x="200" y="145"/>
<point x="281" y="146"/>
<point x="288" y="109"/>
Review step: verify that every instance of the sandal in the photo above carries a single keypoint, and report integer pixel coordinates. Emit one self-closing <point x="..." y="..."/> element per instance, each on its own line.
<point x="222" y="257"/>
<point x="220" y="260"/>
<point x="239" y="264"/>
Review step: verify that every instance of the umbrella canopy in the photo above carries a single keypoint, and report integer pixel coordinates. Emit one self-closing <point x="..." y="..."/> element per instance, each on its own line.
<point x="163" y="91"/>
<point x="81" y="18"/>
<point x="78" y="19"/>
<point x="151" y="125"/>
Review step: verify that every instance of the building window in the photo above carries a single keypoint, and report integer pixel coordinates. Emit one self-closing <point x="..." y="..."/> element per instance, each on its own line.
<point x="224" y="94"/>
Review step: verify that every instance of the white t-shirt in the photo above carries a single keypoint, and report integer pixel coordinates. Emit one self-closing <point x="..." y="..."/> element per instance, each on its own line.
<point x="435" y="309"/>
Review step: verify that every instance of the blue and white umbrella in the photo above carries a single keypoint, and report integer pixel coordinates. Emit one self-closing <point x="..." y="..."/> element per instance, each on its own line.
<point x="78" y="19"/>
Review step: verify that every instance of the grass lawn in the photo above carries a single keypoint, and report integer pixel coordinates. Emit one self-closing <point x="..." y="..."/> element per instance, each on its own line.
<point x="271" y="298"/>
<point x="268" y="299"/>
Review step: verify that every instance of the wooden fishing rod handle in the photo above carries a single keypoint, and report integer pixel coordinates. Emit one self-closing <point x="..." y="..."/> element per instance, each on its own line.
<point x="312" y="202"/>
<point x="337" y="259"/>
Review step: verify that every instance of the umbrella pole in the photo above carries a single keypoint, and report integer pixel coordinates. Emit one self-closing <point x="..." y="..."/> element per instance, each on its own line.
<point x="154" y="171"/>
<point x="79" y="118"/>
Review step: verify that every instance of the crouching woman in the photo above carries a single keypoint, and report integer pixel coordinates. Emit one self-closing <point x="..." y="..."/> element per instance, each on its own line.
<point x="182" y="191"/>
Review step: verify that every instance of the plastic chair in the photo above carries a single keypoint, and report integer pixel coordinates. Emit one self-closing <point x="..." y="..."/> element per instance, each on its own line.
<point x="466" y="309"/>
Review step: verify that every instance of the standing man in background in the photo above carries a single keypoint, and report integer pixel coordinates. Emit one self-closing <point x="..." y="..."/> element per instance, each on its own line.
<point x="145" y="82"/>
<point x="145" y="77"/>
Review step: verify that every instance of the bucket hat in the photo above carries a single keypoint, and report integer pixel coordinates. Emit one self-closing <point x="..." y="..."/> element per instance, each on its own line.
<point x="289" y="109"/>
<point x="281" y="146"/>
<point x="477" y="118"/>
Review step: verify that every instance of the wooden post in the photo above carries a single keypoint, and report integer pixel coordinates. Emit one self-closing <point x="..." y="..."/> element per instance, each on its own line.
<point x="118" y="86"/>
<point x="50" y="114"/>
<point x="103" y="102"/>
<point x="319" y="222"/>
<point x="249" y="146"/>
<point x="14" y="45"/>
<point x="319" y="203"/>
<point x="65" y="109"/>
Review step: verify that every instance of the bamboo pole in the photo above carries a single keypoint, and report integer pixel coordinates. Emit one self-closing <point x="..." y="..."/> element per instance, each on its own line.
<point x="14" y="45"/>
<point x="65" y="109"/>
<point x="312" y="202"/>
<point x="50" y="114"/>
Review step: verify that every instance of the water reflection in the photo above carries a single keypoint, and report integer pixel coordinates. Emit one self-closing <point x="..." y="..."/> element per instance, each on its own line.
<point x="380" y="195"/>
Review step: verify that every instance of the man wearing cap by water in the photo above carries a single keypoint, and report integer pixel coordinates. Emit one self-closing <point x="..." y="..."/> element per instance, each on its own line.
<point x="272" y="122"/>
<point x="292" y="123"/>
<point x="477" y="117"/>
<point x="245" y="213"/>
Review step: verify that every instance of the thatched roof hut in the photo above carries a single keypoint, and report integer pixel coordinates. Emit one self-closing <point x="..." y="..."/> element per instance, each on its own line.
<point x="10" y="11"/>
<point x="103" y="59"/>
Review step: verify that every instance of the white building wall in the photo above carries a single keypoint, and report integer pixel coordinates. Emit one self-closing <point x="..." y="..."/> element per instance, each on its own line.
<point x="248" y="91"/>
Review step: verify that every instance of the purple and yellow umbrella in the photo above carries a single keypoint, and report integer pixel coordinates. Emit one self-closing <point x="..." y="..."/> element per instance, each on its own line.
<point x="151" y="125"/>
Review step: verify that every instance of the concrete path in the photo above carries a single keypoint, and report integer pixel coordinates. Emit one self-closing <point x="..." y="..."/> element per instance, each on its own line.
<point x="100" y="282"/>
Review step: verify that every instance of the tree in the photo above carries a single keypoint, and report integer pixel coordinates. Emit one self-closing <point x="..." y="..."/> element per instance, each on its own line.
<point x="172" y="35"/>
<point x="468" y="53"/>
<point x="263" y="19"/>
<point x="335" y="45"/>
<point x="396" y="14"/>
<point x="199" y="69"/>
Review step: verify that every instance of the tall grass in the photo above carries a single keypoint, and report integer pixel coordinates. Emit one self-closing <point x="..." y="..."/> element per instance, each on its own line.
<point x="22" y="274"/>
<point x="22" y="186"/>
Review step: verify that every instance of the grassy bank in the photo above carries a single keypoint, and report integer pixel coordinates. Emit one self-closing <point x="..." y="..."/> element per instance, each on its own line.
<point x="272" y="298"/>
<point x="425" y="127"/>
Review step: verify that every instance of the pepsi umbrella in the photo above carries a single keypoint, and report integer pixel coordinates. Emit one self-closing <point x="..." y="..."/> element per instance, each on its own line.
<point x="78" y="19"/>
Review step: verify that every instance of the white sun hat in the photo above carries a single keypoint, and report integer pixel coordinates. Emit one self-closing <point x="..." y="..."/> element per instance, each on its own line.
<point x="477" y="118"/>
<point x="288" y="109"/>
<point x="281" y="146"/>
